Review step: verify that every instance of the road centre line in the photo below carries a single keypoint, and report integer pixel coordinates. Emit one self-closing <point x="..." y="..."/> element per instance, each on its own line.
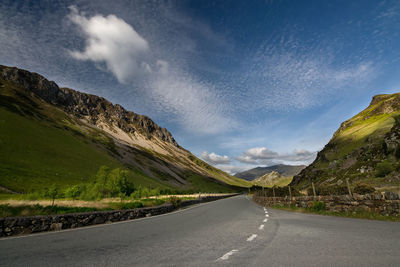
<point x="227" y="255"/>
<point x="261" y="227"/>
<point x="251" y="238"/>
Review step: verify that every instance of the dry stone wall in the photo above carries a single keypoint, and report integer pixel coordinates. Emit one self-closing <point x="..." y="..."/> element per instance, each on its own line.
<point x="387" y="203"/>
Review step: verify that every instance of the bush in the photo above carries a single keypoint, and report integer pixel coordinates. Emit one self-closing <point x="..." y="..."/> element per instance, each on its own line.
<point x="175" y="201"/>
<point x="110" y="183"/>
<point x="383" y="168"/>
<point x="318" y="206"/>
<point x="363" y="189"/>
<point x="73" y="192"/>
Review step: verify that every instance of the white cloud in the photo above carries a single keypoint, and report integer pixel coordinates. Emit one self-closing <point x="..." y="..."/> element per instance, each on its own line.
<point x="112" y="41"/>
<point x="215" y="158"/>
<point x="172" y="92"/>
<point x="264" y="156"/>
<point x="233" y="169"/>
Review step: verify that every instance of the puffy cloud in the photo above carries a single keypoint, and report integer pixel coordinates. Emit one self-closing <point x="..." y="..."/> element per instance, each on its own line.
<point x="214" y="158"/>
<point x="264" y="156"/>
<point x="113" y="41"/>
<point x="233" y="169"/>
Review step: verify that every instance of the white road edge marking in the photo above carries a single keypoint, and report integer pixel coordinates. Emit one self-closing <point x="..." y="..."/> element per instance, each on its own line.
<point x="261" y="227"/>
<point x="252" y="237"/>
<point x="227" y="255"/>
<point x="265" y="220"/>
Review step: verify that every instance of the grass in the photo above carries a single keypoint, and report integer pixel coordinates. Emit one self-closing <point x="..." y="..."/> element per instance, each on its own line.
<point x="209" y="185"/>
<point x="28" y="210"/>
<point x="355" y="214"/>
<point x="42" y="146"/>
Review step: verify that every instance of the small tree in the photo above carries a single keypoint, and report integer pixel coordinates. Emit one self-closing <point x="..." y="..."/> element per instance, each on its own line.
<point x="73" y="192"/>
<point x="53" y="193"/>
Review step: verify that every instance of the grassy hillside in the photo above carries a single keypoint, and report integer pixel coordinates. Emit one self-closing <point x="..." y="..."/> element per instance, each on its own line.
<point x="360" y="147"/>
<point x="41" y="145"/>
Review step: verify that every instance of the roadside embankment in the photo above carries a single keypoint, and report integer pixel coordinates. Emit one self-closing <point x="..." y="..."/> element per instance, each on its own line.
<point x="26" y="225"/>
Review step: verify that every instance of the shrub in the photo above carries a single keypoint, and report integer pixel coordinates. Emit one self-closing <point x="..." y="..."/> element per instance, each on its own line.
<point x="318" y="206"/>
<point x="175" y="201"/>
<point x="363" y="189"/>
<point x="73" y="192"/>
<point x="383" y="168"/>
<point x="110" y="183"/>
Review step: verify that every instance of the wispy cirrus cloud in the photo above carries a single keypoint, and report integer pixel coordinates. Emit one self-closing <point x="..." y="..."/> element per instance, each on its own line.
<point x="185" y="99"/>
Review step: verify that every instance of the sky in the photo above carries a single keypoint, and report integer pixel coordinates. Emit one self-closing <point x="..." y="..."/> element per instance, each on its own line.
<point x="239" y="83"/>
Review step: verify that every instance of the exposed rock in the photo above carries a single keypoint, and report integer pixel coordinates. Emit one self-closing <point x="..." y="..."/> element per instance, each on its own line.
<point x="94" y="108"/>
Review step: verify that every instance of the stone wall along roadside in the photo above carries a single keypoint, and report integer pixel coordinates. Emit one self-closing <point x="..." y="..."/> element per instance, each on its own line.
<point x="386" y="203"/>
<point x="11" y="226"/>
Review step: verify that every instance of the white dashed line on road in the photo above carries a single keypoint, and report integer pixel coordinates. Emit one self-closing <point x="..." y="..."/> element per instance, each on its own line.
<point x="227" y="255"/>
<point x="261" y="227"/>
<point x="266" y="215"/>
<point x="252" y="237"/>
<point x="265" y="220"/>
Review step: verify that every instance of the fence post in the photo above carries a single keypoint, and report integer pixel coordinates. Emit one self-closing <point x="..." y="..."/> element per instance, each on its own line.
<point x="273" y="192"/>
<point x="313" y="189"/>
<point x="348" y="187"/>
<point x="290" y="196"/>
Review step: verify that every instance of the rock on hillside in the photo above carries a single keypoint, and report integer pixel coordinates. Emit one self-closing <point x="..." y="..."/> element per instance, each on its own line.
<point x="95" y="109"/>
<point x="366" y="148"/>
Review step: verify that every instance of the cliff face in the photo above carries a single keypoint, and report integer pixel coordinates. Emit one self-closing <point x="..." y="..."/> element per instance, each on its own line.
<point x="361" y="148"/>
<point x="91" y="107"/>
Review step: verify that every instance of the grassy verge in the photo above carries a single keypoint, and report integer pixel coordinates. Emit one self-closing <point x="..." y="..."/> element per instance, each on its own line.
<point x="7" y="210"/>
<point x="28" y="210"/>
<point x="355" y="214"/>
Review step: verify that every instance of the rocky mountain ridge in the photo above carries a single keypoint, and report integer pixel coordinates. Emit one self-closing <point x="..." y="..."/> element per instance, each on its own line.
<point x="91" y="107"/>
<point x="87" y="131"/>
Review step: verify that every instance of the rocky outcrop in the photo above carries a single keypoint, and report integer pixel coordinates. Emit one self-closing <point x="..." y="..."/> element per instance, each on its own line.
<point x="267" y="179"/>
<point x="91" y="107"/>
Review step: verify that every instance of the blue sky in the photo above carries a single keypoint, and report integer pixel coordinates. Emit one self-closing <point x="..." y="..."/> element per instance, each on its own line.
<point x="239" y="83"/>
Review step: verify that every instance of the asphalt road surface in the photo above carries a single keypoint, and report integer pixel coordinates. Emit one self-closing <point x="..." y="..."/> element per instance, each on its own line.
<point x="228" y="232"/>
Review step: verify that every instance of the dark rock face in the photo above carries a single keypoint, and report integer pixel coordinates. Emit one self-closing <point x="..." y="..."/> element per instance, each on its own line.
<point x="93" y="107"/>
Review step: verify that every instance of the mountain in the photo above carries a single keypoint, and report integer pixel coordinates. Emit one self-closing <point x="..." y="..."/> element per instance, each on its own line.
<point x="51" y="135"/>
<point x="283" y="170"/>
<point x="272" y="179"/>
<point x="364" y="149"/>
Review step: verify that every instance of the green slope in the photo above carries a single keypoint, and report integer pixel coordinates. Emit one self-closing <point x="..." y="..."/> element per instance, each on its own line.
<point x="41" y="145"/>
<point x="359" y="147"/>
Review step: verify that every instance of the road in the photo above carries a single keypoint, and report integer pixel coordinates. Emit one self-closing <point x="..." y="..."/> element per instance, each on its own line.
<point x="228" y="232"/>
